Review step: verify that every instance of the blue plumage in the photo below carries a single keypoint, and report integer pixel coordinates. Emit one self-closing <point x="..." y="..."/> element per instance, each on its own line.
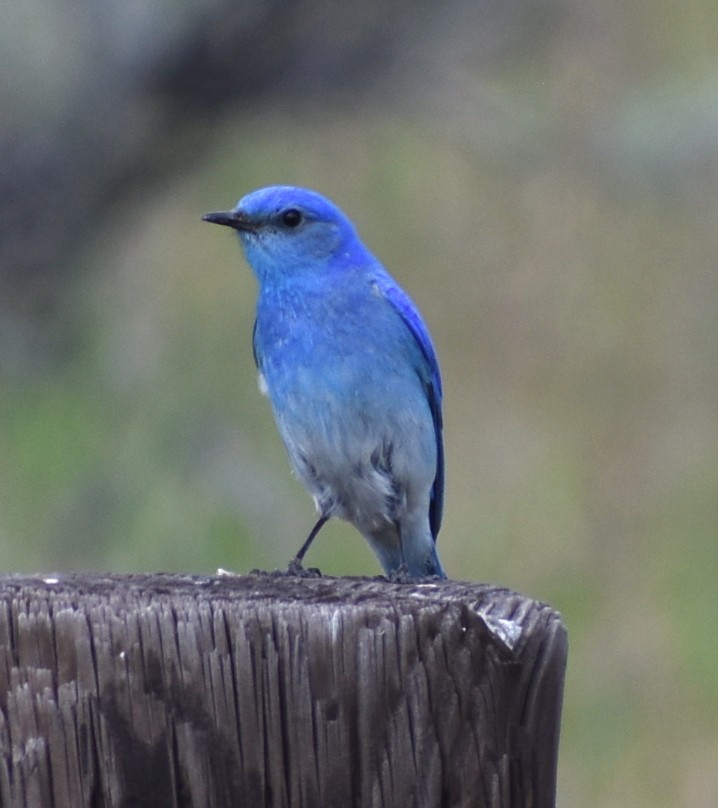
<point x="351" y="373"/>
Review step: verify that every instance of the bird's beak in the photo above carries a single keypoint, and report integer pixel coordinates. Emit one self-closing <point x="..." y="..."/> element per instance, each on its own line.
<point x="233" y="219"/>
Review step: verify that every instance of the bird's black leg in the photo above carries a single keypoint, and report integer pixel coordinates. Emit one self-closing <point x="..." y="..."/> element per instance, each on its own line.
<point x="295" y="565"/>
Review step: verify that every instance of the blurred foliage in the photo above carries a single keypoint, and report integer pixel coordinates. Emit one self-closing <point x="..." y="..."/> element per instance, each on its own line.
<point x="548" y="197"/>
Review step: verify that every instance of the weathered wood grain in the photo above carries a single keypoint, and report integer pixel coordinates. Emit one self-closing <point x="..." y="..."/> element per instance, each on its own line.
<point x="264" y="690"/>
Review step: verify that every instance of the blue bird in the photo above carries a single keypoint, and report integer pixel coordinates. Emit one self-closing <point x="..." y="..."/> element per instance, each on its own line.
<point x="351" y="373"/>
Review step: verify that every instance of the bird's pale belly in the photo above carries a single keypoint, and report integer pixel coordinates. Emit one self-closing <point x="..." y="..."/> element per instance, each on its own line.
<point x="359" y="455"/>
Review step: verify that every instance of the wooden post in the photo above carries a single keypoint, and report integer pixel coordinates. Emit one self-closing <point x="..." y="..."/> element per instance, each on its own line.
<point x="267" y="690"/>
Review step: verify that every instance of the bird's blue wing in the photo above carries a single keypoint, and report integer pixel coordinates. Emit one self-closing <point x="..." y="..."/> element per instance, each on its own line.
<point x="431" y="379"/>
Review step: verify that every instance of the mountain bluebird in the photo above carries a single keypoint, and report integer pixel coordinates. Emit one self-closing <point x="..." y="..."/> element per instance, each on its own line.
<point x="351" y="372"/>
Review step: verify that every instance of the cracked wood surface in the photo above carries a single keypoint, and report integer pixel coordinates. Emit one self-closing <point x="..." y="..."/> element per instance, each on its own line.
<point x="270" y="690"/>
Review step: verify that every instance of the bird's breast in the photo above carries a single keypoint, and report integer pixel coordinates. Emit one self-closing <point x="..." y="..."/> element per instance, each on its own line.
<point x="339" y="345"/>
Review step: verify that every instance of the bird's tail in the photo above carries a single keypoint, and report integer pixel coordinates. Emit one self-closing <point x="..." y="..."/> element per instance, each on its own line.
<point x="426" y="565"/>
<point x="419" y="553"/>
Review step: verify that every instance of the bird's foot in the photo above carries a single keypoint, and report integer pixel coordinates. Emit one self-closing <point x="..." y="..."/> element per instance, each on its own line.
<point x="297" y="569"/>
<point x="401" y="575"/>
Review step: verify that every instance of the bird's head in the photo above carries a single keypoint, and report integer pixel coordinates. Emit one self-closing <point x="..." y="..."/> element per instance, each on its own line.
<point x="285" y="229"/>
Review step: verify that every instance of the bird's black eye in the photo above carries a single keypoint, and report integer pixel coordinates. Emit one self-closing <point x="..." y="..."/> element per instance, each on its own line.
<point x="292" y="218"/>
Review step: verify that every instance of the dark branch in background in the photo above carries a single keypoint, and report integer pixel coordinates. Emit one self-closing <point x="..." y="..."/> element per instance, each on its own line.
<point x="130" y="120"/>
<point x="150" y="90"/>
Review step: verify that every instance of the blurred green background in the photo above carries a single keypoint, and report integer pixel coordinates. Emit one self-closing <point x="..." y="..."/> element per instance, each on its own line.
<point x="540" y="176"/>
